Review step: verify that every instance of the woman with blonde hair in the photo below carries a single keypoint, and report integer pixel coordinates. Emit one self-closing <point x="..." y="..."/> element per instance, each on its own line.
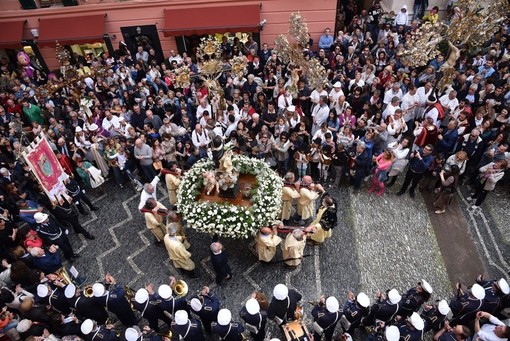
<point x="383" y="163"/>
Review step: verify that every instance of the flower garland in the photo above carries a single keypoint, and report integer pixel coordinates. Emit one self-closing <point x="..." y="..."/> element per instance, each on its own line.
<point x="228" y="220"/>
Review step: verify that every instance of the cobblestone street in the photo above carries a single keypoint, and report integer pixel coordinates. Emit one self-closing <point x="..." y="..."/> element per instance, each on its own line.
<point x="379" y="243"/>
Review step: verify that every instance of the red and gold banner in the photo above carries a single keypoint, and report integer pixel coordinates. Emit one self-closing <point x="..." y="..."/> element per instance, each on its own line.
<point x="45" y="166"/>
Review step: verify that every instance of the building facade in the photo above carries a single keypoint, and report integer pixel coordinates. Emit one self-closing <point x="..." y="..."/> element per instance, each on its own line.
<point x="93" y="26"/>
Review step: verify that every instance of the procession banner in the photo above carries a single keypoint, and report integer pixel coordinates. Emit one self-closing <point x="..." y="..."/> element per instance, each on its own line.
<point x="45" y="166"/>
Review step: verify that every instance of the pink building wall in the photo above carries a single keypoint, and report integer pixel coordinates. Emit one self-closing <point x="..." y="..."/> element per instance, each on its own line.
<point x="135" y="13"/>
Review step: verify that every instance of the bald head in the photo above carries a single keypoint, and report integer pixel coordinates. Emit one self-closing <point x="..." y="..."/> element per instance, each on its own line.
<point x="307" y="180"/>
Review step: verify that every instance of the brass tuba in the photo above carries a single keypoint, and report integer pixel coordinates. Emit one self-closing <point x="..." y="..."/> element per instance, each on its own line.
<point x="88" y="291"/>
<point x="180" y="288"/>
<point x="64" y="275"/>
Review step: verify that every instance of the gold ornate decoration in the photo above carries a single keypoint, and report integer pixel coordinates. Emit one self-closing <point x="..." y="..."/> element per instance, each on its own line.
<point x="182" y="79"/>
<point x="473" y="24"/>
<point x="238" y="65"/>
<point x="292" y="53"/>
<point x="210" y="47"/>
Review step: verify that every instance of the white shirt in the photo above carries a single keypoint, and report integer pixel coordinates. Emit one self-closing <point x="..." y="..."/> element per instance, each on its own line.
<point x="388" y="95"/>
<point x="284" y="101"/>
<point x="389" y="111"/>
<point x="333" y="97"/>
<point x="111" y="125"/>
<point x="448" y="103"/>
<point x="144" y="196"/>
<point x="408" y="106"/>
<point x="422" y="95"/>
<point x="434" y="114"/>
<point x="201" y="109"/>
<point x="486" y="332"/>
<point x="315" y="95"/>
<point x="320" y="113"/>
<point x="200" y="140"/>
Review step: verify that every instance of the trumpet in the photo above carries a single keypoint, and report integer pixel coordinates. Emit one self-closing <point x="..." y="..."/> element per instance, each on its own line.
<point x="298" y="313"/>
<point x="180" y="288"/>
<point x="110" y="321"/>
<point x="88" y="292"/>
<point x="315" y="303"/>
<point x="166" y="335"/>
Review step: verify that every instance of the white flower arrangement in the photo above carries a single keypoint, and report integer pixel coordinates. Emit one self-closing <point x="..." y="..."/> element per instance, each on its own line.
<point x="228" y="220"/>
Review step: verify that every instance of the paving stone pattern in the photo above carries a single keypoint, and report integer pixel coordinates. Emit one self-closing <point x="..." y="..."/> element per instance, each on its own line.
<point x="379" y="243"/>
<point x="397" y="244"/>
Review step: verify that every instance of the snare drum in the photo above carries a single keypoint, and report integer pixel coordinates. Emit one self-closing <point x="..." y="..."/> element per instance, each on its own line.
<point x="296" y="331"/>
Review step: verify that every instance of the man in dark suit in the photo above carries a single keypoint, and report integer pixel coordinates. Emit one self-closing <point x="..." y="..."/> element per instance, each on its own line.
<point x="219" y="261"/>
<point x="283" y="304"/>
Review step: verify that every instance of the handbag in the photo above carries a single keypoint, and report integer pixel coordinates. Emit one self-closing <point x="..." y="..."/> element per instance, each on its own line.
<point x="319" y="330"/>
<point x="157" y="165"/>
<point x="382" y="175"/>
<point x="96" y="179"/>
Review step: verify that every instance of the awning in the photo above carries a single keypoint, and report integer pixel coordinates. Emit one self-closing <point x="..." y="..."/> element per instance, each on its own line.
<point x="11" y="34"/>
<point x="208" y="20"/>
<point x="71" y="30"/>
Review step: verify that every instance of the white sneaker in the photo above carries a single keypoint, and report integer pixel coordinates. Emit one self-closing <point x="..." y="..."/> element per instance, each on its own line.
<point x="469" y="198"/>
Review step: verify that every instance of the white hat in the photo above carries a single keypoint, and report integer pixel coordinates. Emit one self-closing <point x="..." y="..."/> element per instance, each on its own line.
<point x="337" y="85"/>
<point x="98" y="289"/>
<point x="93" y="127"/>
<point x="121" y="119"/>
<point x="417" y="321"/>
<point x="70" y="290"/>
<point x="42" y="290"/>
<point x="426" y="286"/>
<point x="78" y="129"/>
<point x="23" y="325"/>
<point x="394" y="296"/>
<point x="478" y="291"/>
<point x="274" y="339"/>
<point x="363" y="300"/>
<point x="141" y="296"/>
<point x="196" y="305"/>
<point x="332" y="304"/>
<point x="280" y="292"/>
<point x="40" y="217"/>
<point x="181" y="317"/>
<point x="87" y="326"/>
<point x="165" y="291"/>
<point x="291" y="108"/>
<point x="392" y="333"/>
<point x="131" y="334"/>
<point x="503" y="286"/>
<point x="224" y="317"/>
<point x="252" y="306"/>
<point x="443" y="307"/>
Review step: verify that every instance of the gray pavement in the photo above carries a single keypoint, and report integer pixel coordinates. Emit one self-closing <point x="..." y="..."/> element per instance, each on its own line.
<point x="379" y="243"/>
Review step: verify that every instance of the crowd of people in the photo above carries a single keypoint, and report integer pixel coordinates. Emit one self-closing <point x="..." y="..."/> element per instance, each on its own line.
<point x="124" y="117"/>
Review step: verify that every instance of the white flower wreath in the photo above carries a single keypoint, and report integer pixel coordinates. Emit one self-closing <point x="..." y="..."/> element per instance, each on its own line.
<point x="229" y="220"/>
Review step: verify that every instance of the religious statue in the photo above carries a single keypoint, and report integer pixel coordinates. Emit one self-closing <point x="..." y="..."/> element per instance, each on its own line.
<point x="210" y="182"/>
<point x="227" y="175"/>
